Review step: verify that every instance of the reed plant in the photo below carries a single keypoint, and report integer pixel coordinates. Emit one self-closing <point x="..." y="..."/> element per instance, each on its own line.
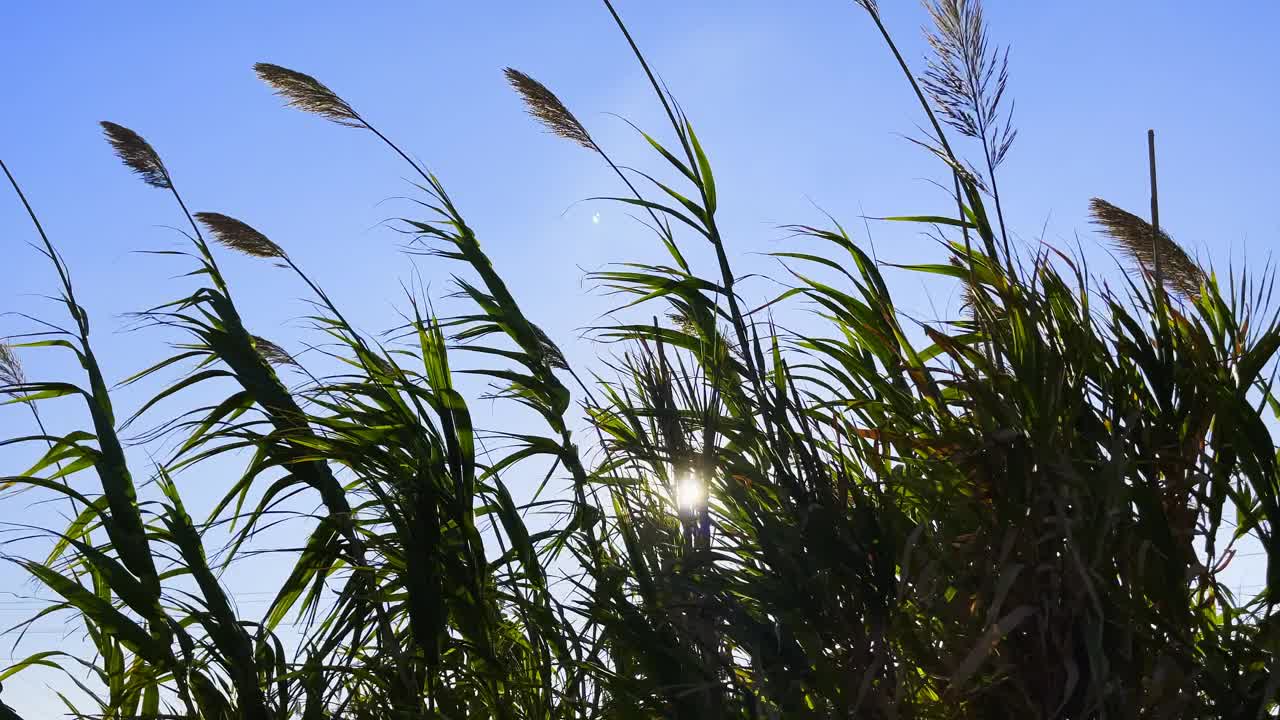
<point x="1022" y="511"/>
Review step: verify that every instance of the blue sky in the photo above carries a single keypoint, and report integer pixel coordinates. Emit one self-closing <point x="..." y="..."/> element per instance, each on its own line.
<point x="798" y="104"/>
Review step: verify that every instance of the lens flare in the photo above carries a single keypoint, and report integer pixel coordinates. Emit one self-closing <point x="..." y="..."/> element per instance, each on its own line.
<point x="691" y="494"/>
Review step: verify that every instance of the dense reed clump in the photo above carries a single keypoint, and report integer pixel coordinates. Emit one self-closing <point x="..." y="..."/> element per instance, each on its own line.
<point x="1018" y="512"/>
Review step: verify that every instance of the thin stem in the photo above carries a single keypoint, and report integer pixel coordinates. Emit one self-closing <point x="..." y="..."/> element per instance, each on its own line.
<point x="906" y="70"/>
<point x="981" y="117"/>
<point x="995" y="195"/>
<point x="201" y="243"/>
<point x="66" y="284"/>
<point x="425" y="175"/>
<point x="722" y="259"/>
<point x="653" y="80"/>
<point x="48" y="244"/>
<point x="924" y="103"/>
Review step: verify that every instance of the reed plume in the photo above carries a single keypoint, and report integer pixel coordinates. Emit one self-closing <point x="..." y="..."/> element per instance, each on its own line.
<point x="272" y="352"/>
<point x="10" y="368"/>
<point x="548" y="109"/>
<point x="138" y="154"/>
<point x="1138" y="240"/>
<point x="308" y="94"/>
<point x="238" y="235"/>
<point x="966" y="77"/>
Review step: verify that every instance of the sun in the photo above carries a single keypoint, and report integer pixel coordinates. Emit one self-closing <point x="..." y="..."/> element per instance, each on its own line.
<point x="691" y="494"/>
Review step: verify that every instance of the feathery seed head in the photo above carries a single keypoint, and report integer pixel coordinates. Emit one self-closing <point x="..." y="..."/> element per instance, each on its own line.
<point x="10" y="369"/>
<point x="547" y="108"/>
<point x="272" y="352"/>
<point x="138" y="155"/>
<point x="239" y="236"/>
<point x="554" y="357"/>
<point x="1138" y="240"/>
<point x="308" y="94"/>
<point x="683" y="321"/>
<point x="967" y="76"/>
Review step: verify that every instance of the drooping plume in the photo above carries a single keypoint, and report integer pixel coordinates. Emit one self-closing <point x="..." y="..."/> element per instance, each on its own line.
<point x="1138" y="240"/>
<point x="138" y="154"/>
<point x="308" y="94"/>
<point x="555" y="358"/>
<point x="10" y="369"/>
<point x="547" y="108"/>
<point x="272" y="352"/>
<point x="238" y="235"/>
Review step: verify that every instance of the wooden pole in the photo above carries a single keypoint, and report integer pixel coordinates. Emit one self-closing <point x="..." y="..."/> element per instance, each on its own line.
<point x="1155" y="210"/>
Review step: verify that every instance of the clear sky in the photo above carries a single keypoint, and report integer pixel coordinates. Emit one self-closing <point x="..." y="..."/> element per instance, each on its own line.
<point x="798" y="104"/>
